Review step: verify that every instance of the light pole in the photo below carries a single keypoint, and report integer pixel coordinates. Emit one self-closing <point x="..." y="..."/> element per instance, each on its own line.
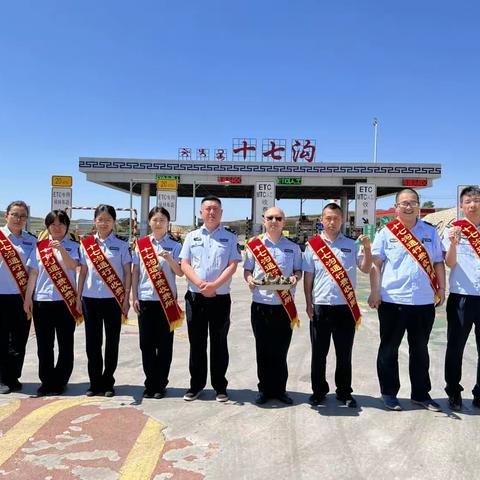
<point x="194" y="219"/>
<point x="375" y="138"/>
<point x="302" y="200"/>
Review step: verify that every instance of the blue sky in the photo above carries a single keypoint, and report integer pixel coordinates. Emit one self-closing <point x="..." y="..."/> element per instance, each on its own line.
<point x="141" y="79"/>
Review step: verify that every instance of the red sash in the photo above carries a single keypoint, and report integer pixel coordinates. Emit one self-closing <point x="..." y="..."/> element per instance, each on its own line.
<point x="338" y="273"/>
<point x="471" y="232"/>
<point x="104" y="268"/>
<point x="14" y="264"/>
<point x="416" y="249"/>
<point x="268" y="265"/>
<point x="59" y="278"/>
<point x="160" y="283"/>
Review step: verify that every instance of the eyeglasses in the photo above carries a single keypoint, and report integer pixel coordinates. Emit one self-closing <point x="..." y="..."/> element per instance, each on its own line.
<point x="271" y="217"/>
<point x="408" y="204"/>
<point x="16" y="216"/>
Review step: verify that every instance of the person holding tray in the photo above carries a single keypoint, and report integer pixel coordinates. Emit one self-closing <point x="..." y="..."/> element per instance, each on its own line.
<point x="273" y="311"/>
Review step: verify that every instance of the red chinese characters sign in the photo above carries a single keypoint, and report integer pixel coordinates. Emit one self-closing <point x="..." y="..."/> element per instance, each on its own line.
<point x="245" y="149"/>
<point x="303" y="150"/>
<point x="274" y="149"/>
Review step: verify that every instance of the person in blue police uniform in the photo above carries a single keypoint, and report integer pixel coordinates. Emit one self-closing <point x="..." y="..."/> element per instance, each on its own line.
<point x="156" y="339"/>
<point x="209" y="258"/>
<point x="99" y="305"/>
<point x="271" y="323"/>
<point x="403" y="294"/>
<point x="463" y="304"/>
<point x="14" y="323"/>
<point x="51" y="315"/>
<point x="327" y="308"/>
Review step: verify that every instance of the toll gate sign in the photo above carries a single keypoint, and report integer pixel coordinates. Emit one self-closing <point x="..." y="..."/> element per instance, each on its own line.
<point x="365" y="204"/>
<point x="61" y="198"/>
<point x="264" y="199"/>
<point x="168" y="200"/>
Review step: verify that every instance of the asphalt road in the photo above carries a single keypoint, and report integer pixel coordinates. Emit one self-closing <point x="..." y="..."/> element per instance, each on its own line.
<point x="128" y="437"/>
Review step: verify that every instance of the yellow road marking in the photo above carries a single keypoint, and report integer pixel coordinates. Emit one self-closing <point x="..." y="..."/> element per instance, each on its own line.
<point x="144" y="455"/>
<point x="12" y="440"/>
<point x="8" y="409"/>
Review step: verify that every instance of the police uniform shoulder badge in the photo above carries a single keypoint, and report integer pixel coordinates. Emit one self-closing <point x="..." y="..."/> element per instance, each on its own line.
<point x="174" y="238"/>
<point x="230" y="229"/>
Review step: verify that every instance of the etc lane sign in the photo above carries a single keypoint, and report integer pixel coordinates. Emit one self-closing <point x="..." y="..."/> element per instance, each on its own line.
<point x="365" y="204"/>
<point x="264" y="199"/>
<point x="61" y="192"/>
<point x="61" y="198"/>
<point x="168" y="200"/>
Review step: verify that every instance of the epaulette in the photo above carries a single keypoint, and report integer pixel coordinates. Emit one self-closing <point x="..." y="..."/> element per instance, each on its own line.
<point x="120" y="237"/>
<point x="175" y="239"/>
<point x="428" y="223"/>
<point x="42" y="235"/>
<point x="290" y="240"/>
<point x="72" y="237"/>
<point x="231" y="230"/>
<point x="32" y="234"/>
<point x="351" y="238"/>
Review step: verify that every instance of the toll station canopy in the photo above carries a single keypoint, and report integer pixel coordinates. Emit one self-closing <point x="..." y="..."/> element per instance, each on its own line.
<point x="237" y="179"/>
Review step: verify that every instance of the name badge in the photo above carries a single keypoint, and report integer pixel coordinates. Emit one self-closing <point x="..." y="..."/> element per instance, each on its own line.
<point x="27" y="243"/>
<point x="114" y="248"/>
<point x="288" y="250"/>
<point x="346" y="250"/>
<point x="224" y="240"/>
<point x="426" y="240"/>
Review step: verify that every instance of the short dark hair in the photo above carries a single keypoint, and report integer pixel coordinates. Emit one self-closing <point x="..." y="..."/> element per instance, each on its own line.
<point x="104" y="208"/>
<point x="156" y="210"/>
<point x="471" y="190"/>
<point x="59" y="215"/>
<point x="17" y="203"/>
<point x="211" y="198"/>
<point x="405" y="190"/>
<point x="332" y="206"/>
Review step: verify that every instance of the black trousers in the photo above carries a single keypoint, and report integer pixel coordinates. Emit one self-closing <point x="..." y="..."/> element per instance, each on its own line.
<point x="14" y="330"/>
<point x="463" y="311"/>
<point x="206" y="315"/>
<point x="50" y="319"/>
<point x="156" y="344"/>
<point x="100" y="312"/>
<point x="337" y="322"/>
<point x="417" y="320"/>
<point x="272" y="331"/>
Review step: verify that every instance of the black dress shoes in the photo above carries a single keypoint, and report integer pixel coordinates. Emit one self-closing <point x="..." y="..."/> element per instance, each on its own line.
<point x="284" y="398"/>
<point x="261" y="399"/>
